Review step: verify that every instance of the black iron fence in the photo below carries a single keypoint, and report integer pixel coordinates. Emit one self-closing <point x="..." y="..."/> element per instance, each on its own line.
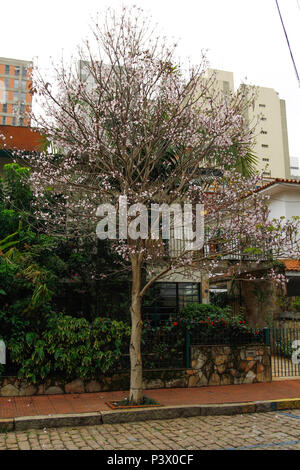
<point x="230" y="335"/>
<point x="167" y="344"/>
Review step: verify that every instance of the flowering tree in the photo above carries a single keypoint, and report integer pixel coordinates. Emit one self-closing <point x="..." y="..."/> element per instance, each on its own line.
<point x="132" y="121"/>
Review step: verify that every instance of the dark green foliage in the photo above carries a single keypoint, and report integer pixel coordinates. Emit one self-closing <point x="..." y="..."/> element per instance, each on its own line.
<point x="70" y="348"/>
<point x="295" y="304"/>
<point x="41" y="275"/>
<point x="283" y="347"/>
<point x="197" y="312"/>
<point x="210" y="324"/>
<point x="220" y="299"/>
<point x="163" y="344"/>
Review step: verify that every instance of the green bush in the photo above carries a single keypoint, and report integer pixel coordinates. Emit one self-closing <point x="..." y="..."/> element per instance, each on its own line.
<point x="70" y="348"/>
<point x="296" y="304"/>
<point x="196" y="312"/>
<point x="284" y="348"/>
<point x="210" y="324"/>
<point x="163" y="343"/>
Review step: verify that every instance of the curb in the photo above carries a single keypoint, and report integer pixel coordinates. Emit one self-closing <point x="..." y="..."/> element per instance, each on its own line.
<point x="129" y="416"/>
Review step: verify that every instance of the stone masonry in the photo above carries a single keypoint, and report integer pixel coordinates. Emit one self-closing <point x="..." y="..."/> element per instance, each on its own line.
<point x="227" y="365"/>
<point x="210" y="365"/>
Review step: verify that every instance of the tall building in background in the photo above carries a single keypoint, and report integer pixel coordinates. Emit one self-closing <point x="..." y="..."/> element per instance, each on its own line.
<point x="269" y="114"/>
<point x="15" y="97"/>
<point x="271" y="146"/>
<point x="295" y="167"/>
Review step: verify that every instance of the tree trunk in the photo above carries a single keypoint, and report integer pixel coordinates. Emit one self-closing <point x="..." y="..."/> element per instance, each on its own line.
<point x="136" y="371"/>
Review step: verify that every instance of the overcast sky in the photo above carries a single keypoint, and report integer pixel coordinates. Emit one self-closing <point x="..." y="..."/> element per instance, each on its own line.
<point x="242" y="36"/>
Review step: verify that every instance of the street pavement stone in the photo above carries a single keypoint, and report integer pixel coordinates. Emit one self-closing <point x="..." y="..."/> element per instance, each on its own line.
<point x="258" y="431"/>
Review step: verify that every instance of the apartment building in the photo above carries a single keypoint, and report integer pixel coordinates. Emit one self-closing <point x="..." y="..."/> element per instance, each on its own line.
<point x="15" y="97"/>
<point x="271" y="148"/>
<point x="271" y="137"/>
<point x="295" y="167"/>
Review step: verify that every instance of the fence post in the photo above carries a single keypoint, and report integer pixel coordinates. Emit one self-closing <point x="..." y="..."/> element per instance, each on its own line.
<point x="267" y="336"/>
<point x="187" y="349"/>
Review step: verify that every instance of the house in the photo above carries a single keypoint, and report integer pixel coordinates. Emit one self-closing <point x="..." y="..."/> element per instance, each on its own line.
<point x="285" y="201"/>
<point x="263" y="300"/>
<point x="259" y="298"/>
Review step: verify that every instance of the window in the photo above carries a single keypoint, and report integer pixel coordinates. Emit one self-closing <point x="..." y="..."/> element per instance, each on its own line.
<point x="187" y="293"/>
<point x="264" y="145"/>
<point x="4" y="120"/>
<point x="16" y="84"/>
<point x="14" y="121"/>
<point x="4" y="108"/>
<point x="293" y="287"/>
<point x="16" y="96"/>
<point x="21" y="121"/>
<point x="24" y="72"/>
<point x="5" y="95"/>
<point x="6" y="69"/>
<point x="23" y="84"/>
<point x="226" y="87"/>
<point x="15" y="108"/>
<point x="17" y="70"/>
<point x="168" y="298"/>
<point x="23" y="97"/>
<point x="22" y="109"/>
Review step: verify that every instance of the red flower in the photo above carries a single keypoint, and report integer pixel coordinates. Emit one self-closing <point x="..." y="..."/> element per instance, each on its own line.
<point x="175" y="323"/>
<point x="101" y="319"/>
<point x="212" y="323"/>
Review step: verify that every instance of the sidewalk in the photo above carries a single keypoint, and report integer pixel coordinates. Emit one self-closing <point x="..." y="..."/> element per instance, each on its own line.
<point x="227" y="399"/>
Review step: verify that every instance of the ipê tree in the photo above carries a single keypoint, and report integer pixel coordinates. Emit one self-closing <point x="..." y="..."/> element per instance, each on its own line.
<point x="133" y="122"/>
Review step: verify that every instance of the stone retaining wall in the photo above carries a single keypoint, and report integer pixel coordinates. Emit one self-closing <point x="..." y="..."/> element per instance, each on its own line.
<point x="227" y="365"/>
<point x="211" y="365"/>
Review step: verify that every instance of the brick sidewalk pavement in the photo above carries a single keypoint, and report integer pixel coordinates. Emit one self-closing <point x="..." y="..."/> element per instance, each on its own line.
<point x="11" y="407"/>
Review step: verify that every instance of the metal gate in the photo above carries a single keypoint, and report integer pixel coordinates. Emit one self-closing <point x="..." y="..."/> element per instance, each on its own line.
<point x="285" y="351"/>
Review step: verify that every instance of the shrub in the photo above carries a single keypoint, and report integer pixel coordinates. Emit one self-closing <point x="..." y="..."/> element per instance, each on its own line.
<point x="196" y="312"/>
<point x="163" y="343"/>
<point x="284" y="348"/>
<point x="296" y="304"/>
<point x="70" y="348"/>
<point x="210" y="324"/>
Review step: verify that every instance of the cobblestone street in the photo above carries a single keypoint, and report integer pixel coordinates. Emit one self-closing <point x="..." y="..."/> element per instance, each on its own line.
<point x="273" y="430"/>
